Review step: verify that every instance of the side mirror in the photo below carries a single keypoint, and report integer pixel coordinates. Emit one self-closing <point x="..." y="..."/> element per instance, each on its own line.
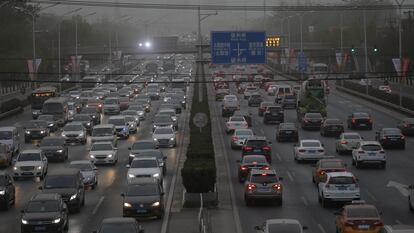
<point x="304" y="228"/>
<point x="122" y="195"/>
<point x="257" y="228"/>
<point x="127" y="166"/>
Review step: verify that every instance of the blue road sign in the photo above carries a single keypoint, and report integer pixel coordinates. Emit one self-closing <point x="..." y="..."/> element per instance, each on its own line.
<point x="303" y="64"/>
<point x="237" y="47"/>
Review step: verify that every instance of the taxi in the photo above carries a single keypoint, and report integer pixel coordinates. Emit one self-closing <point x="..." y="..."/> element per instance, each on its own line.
<point x="358" y="217"/>
<point x="327" y="165"/>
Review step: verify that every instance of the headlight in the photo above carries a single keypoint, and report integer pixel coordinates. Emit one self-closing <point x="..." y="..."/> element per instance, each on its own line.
<point x="110" y="156"/>
<point x="141" y="113"/>
<point x="183" y="102"/>
<point x="174" y="118"/>
<point x="131" y="155"/>
<point x="126" y="204"/>
<point x="136" y="118"/>
<point x="42" y="131"/>
<point x="156" y="175"/>
<point x="172" y="139"/>
<point x="131" y="175"/>
<point x="73" y="196"/>
<point x="63" y="134"/>
<point x="93" y="116"/>
<point x="157" y="203"/>
<point x="81" y="135"/>
<point x="39" y="167"/>
<point x="51" y="125"/>
<point x="15" y="168"/>
<point x="92" y="156"/>
<point x="88" y="124"/>
<point x="59" y="151"/>
<point x="2" y="192"/>
<point x="56" y="220"/>
<point x="24" y="221"/>
<point x="27" y="132"/>
<point x="171" y="126"/>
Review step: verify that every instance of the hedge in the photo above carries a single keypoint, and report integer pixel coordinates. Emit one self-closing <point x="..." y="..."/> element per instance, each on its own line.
<point x="199" y="175"/>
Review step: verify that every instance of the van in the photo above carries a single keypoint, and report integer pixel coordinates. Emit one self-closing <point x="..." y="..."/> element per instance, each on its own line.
<point x="9" y="135"/>
<point x="282" y="90"/>
<point x="58" y="107"/>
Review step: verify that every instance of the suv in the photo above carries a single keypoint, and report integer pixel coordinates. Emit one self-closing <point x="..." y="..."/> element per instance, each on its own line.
<point x="68" y="183"/>
<point x="258" y="146"/>
<point x="254" y="100"/>
<point x="111" y="106"/>
<point x="338" y="186"/>
<point x="35" y="130"/>
<point x="273" y="114"/>
<point x="30" y="163"/>
<point x="7" y="190"/>
<point x="250" y="162"/>
<point x="104" y="133"/>
<point x="230" y="104"/>
<point x="74" y="133"/>
<point x="45" y="213"/>
<point x="312" y="120"/>
<point x="54" y="148"/>
<point x="263" y="185"/>
<point x="9" y="135"/>
<point x="368" y="152"/>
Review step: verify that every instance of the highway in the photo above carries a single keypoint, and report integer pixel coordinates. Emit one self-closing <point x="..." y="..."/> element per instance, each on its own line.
<point x="300" y="198"/>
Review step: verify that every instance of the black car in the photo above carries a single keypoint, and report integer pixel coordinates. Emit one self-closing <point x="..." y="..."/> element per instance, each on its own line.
<point x="391" y="138"/>
<point x="51" y="122"/>
<point x="140" y="146"/>
<point x="332" y="127"/>
<point x="94" y="113"/>
<point x="312" y="121"/>
<point x="54" y="148"/>
<point x="250" y="162"/>
<point x="35" y="130"/>
<point x="121" y="225"/>
<point x="289" y="101"/>
<point x="67" y="182"/>
<point x="287" y="132"/>
<point x="45" y="212"/>
<point x="258" y="146"/>
<point x="406" y="126"/>
<point x="86" y="120"/>
<point x="143" y="198"/>
<point x="254" y="100"/>
<point x="162" y="121"/>
<point x="273" y="115"/>
<point x="359" y="120"/>
<point x="7" y="190"/>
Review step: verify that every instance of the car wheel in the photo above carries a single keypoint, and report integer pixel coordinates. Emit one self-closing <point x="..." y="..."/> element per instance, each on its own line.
<point x="83" y="200"/>
<point x="66" y="227"/>
<point x="324" y="202"/>
<point x="357" y="164"/>
<point x="410" y="206"/>
<point x="353" y="162"/>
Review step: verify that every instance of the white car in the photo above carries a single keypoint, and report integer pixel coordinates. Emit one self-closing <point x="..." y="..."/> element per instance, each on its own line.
<point x="164" y="137"/>
<point x="288" y="225"/>
<point x="309" y="149"/>
<point x="249" y="91"/>
<point x="347" y="142"/>
<point x="385" y="88"/>
<point x="30" y="163"/>
<point x="103" y="153"/>
<point x="369" y="152"/>
<point x="74" y="133"/>
<point x="239" y="137"/>
<point x="236" y="122"/>
<point x="140" y="111"/>
<point x="121" y="126"/>
<point x="338" y="187"/>
<point x="144" y="167"/>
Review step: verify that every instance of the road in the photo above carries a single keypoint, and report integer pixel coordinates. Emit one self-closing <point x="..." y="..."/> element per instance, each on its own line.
<point x="300" y="198"/>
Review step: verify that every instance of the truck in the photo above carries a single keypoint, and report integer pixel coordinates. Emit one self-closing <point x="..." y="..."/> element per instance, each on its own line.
<point x="312" y="98"/>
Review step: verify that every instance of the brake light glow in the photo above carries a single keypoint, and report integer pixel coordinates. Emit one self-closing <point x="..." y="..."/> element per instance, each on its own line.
<point x="301" y="150"/>
<point x="244" y="168"/>
<point x="344" y="142"/>
<point x="248" y="148"/>
<point x="251" y="186"/>
<point x="266" y="148"/>
<point x="277" y="186"/>
<point x="377" y="223"/>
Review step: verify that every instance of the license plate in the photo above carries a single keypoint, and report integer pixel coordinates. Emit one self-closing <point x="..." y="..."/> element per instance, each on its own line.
<point x="40" y="228"/>
<point x="288" y="132"/>
<point x="364" y="226"/>
<point x="141" y="211"/>
<point x="257" y="150"/>
<point x="311" y="151"/>
<point x="372" y="154"/>
<point x="362" y="125"/>
<point x="342" y="188"/>
<point x="264" y="190"/>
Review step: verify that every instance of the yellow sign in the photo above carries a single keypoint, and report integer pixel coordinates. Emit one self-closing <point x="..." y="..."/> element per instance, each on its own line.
<point x="273" y="41"/>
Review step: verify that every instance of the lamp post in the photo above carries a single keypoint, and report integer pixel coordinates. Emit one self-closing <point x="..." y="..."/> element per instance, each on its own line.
<point x="400" y="4"/>
<point x="76" y="65"/>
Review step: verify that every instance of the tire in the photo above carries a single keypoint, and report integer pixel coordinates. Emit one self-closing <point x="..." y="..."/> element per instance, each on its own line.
<point x="357" y="164"/>
<point x="83" y="142"/>
<point x="324" y="202"/>
<point x="83" y="200"/>
<point x="410" y="207"/>
<point x="66" y="227"/>
<point x="353" y="162"/>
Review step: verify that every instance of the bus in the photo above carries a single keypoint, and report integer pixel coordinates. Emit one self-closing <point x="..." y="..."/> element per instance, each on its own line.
<point x="39" y="96"/>
<point x="58" y="107"/>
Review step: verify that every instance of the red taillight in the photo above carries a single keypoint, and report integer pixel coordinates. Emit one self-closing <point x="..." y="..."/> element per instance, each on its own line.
<point x="344" y="142"/>
<point x="277" y="186"/>
<point x="301" y="150"/>
<point x="377" y="223"/>
<point x="361" y="152"/>
<point x="244" y="168"/>
<point x="349" y="223"/>
<point x="321" y="173"/>
<point x="265" y="168"/>
<point x="353" y="120"/>
<point x="248" y="148"/>
<point x="267" y="148"/>
<point x="235" y="138"/>
<point x="251" y="186"/>
<point x="382" y="152"/>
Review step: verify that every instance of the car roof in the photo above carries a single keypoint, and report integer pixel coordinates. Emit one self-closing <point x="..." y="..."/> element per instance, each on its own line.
<point x="7" y="128"/>
<point x="256" y="138"/>
<point x="310" y="140"/>
<point x="64" y="171"/>
<point x="80" y="162"/>
<point x="119" y="220"/>
<point x="257" y="171"/>
<point x="45" y="197"/>
<point x="369" y="143"/>
<point x="102" y="142"/>
<point x="74" y="123"/>
<point x="31" y="151"/>
<point x="336" y="174"/>
<point x="282" y="221"/>
<point x="104" y="126"/>
<point x="145" y="158"/>
<point x="143" y="180"/>
<point x="117" y="117"/>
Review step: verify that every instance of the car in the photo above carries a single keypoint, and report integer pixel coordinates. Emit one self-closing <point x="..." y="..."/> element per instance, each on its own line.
<point x="7" y="190"/>
<point x="123" y="103"/>
<point x="230" y="105"/>
<point x="35" y="130"/>
<point x="347" y="141"/>
<point x="309" y="150"/>
<point x="144" y="167"/>
<point x="246" y="114"/>
<point x="140" y="146"/>
<point x="397" y="229"/>
<point x="30" y="163"/>
<point x="156" y="153"/>
<point x="369" y="152"/>
<point x="111" y="106"/>
<point x="390" y="138"/>
<point x="6" y="155"/>
<point x="74" y="107"/>
<point x="86" y="120"/>
<point x="358" y="217"/>
<point x="273" y="115"/>
<point x="263" y="185"/>
<point x="287" y="132"/>
<point x="162" y="121"/>
<point x="133" y="123"/>
<point x="9" y="135"/>
<point x="67" y="182"/>
<point x="331" y="127"/>
<point x="104" y="133"/>
<point x="263" y="106"/>
<point x="54" y="148"/>
<point x="312" y="121"/>
<point x="164" y="137"/>
<point x="327" y="165"/>
<point x="289" y="102"/>
<point x="169" y="112"/>
<point x="96" y="103"/>
<point x="258" y="145"/>
<point x="88" y="171"/>
<point x="239" y="136"/>
<point x="128" y="225"/>
<point x="74" y="133"/>
<point x="385" y="88"/>
<point x="144" y="104"/>
<point x="254" y="100"/>
<point x="103" y="153"/>
<point x="143" y="197"/>
<point x="406" y="126"/>
<point x="220" y="93"/>
<point x="281" y="225"/>
<point x="134" y="113"/>
<point x="94" y="113"/>
<point x="235" y="122"/>
<point x="250" y="162"/>
<point x="338" y="187"/>
<point x="137" y="109"/>
<point x="121" y="126"/>
<point x="45" y="213"/>
<point x="249" y="91"/>
<point x="51" y="123"/>
<point x="360" y="120"/>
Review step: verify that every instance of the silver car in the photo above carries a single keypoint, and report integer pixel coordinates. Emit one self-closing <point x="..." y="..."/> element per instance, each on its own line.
<point x="239" y="137"/>
<point x="347" y="142"/>
<point x="74" y="133"/>
<point x="30" y="163"/>
<point x="164" y="137"/>
<point x="103" y="153"/>
<point x="88" y="171"/>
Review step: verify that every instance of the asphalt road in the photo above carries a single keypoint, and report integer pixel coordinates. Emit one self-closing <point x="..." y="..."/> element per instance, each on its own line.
<point x="300" y="198"/>
<point x="105" y="201"/>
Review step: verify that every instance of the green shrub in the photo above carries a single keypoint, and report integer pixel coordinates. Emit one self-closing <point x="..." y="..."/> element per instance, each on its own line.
<point x="199" y="175"/>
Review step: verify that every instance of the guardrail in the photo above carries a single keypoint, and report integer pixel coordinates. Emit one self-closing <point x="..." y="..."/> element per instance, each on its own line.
<point x="202" y="217"/>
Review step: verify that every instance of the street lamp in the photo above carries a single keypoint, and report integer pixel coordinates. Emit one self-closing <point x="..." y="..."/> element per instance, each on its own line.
<point x="76" y="65"/>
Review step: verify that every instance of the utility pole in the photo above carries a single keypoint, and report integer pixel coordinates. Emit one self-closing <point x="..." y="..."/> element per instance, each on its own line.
<point x="400" y="4"/>
<point x="366" y="52"/>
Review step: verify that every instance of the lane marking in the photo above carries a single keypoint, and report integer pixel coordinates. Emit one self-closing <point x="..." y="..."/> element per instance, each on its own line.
<point x="290" y="176"/>
<point x="97" y="205"/>
<point x="305" y="202"/>
<point x="278" y="157"/>
<point x="371" y="195"/>
<point x="321" y="228"/>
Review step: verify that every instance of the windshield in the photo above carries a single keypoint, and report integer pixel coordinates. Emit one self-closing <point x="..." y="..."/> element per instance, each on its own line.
<point x="392" y="131"/>
<point x="371" y="147"/>
<point x="332" y="164"/>
<point x="352" y="136"/>
<point x="29" y="157"/>
<point x="102" y="132"/>
<point x="59" y="182"/>
<point x="361" y="115"/>
<point x="244" y="133"/>
<point x="362" y="213"/>
<point x="129" y="113"/>
<point x="82" y="166"/>
<point x="143" y="146"/>
<point x="81" y="118"/>
<point x="6" y="135"/>
<point x="112" y="101"/>
<point x="237" y="118"/>
<point x="256" y="143"/>
<point x="142" y="190"/>
<point x="52" y="142"/>
<point x="52" y="108"/>
<point x="89" y="110"/>
<point x="163" y="131"/>
<point x="117" y="121"/>
<point x="42" y="206"/>
<point x="36" y="124"/>
<point x="264" y="178"/>
<point x="314" y="115"/>
<point x="284" y="228"/>
<point x="45" y="117"/>
<point x="333" y="122"/>
<point x="251" y="159"/>
<point x="342" y="180"/>
<point x="162" y="119"/>
<point x="311" y="144"/>
<point x="73" y="128"/>
<point x="100" y="147"/>
<point x="148" y="163"/>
